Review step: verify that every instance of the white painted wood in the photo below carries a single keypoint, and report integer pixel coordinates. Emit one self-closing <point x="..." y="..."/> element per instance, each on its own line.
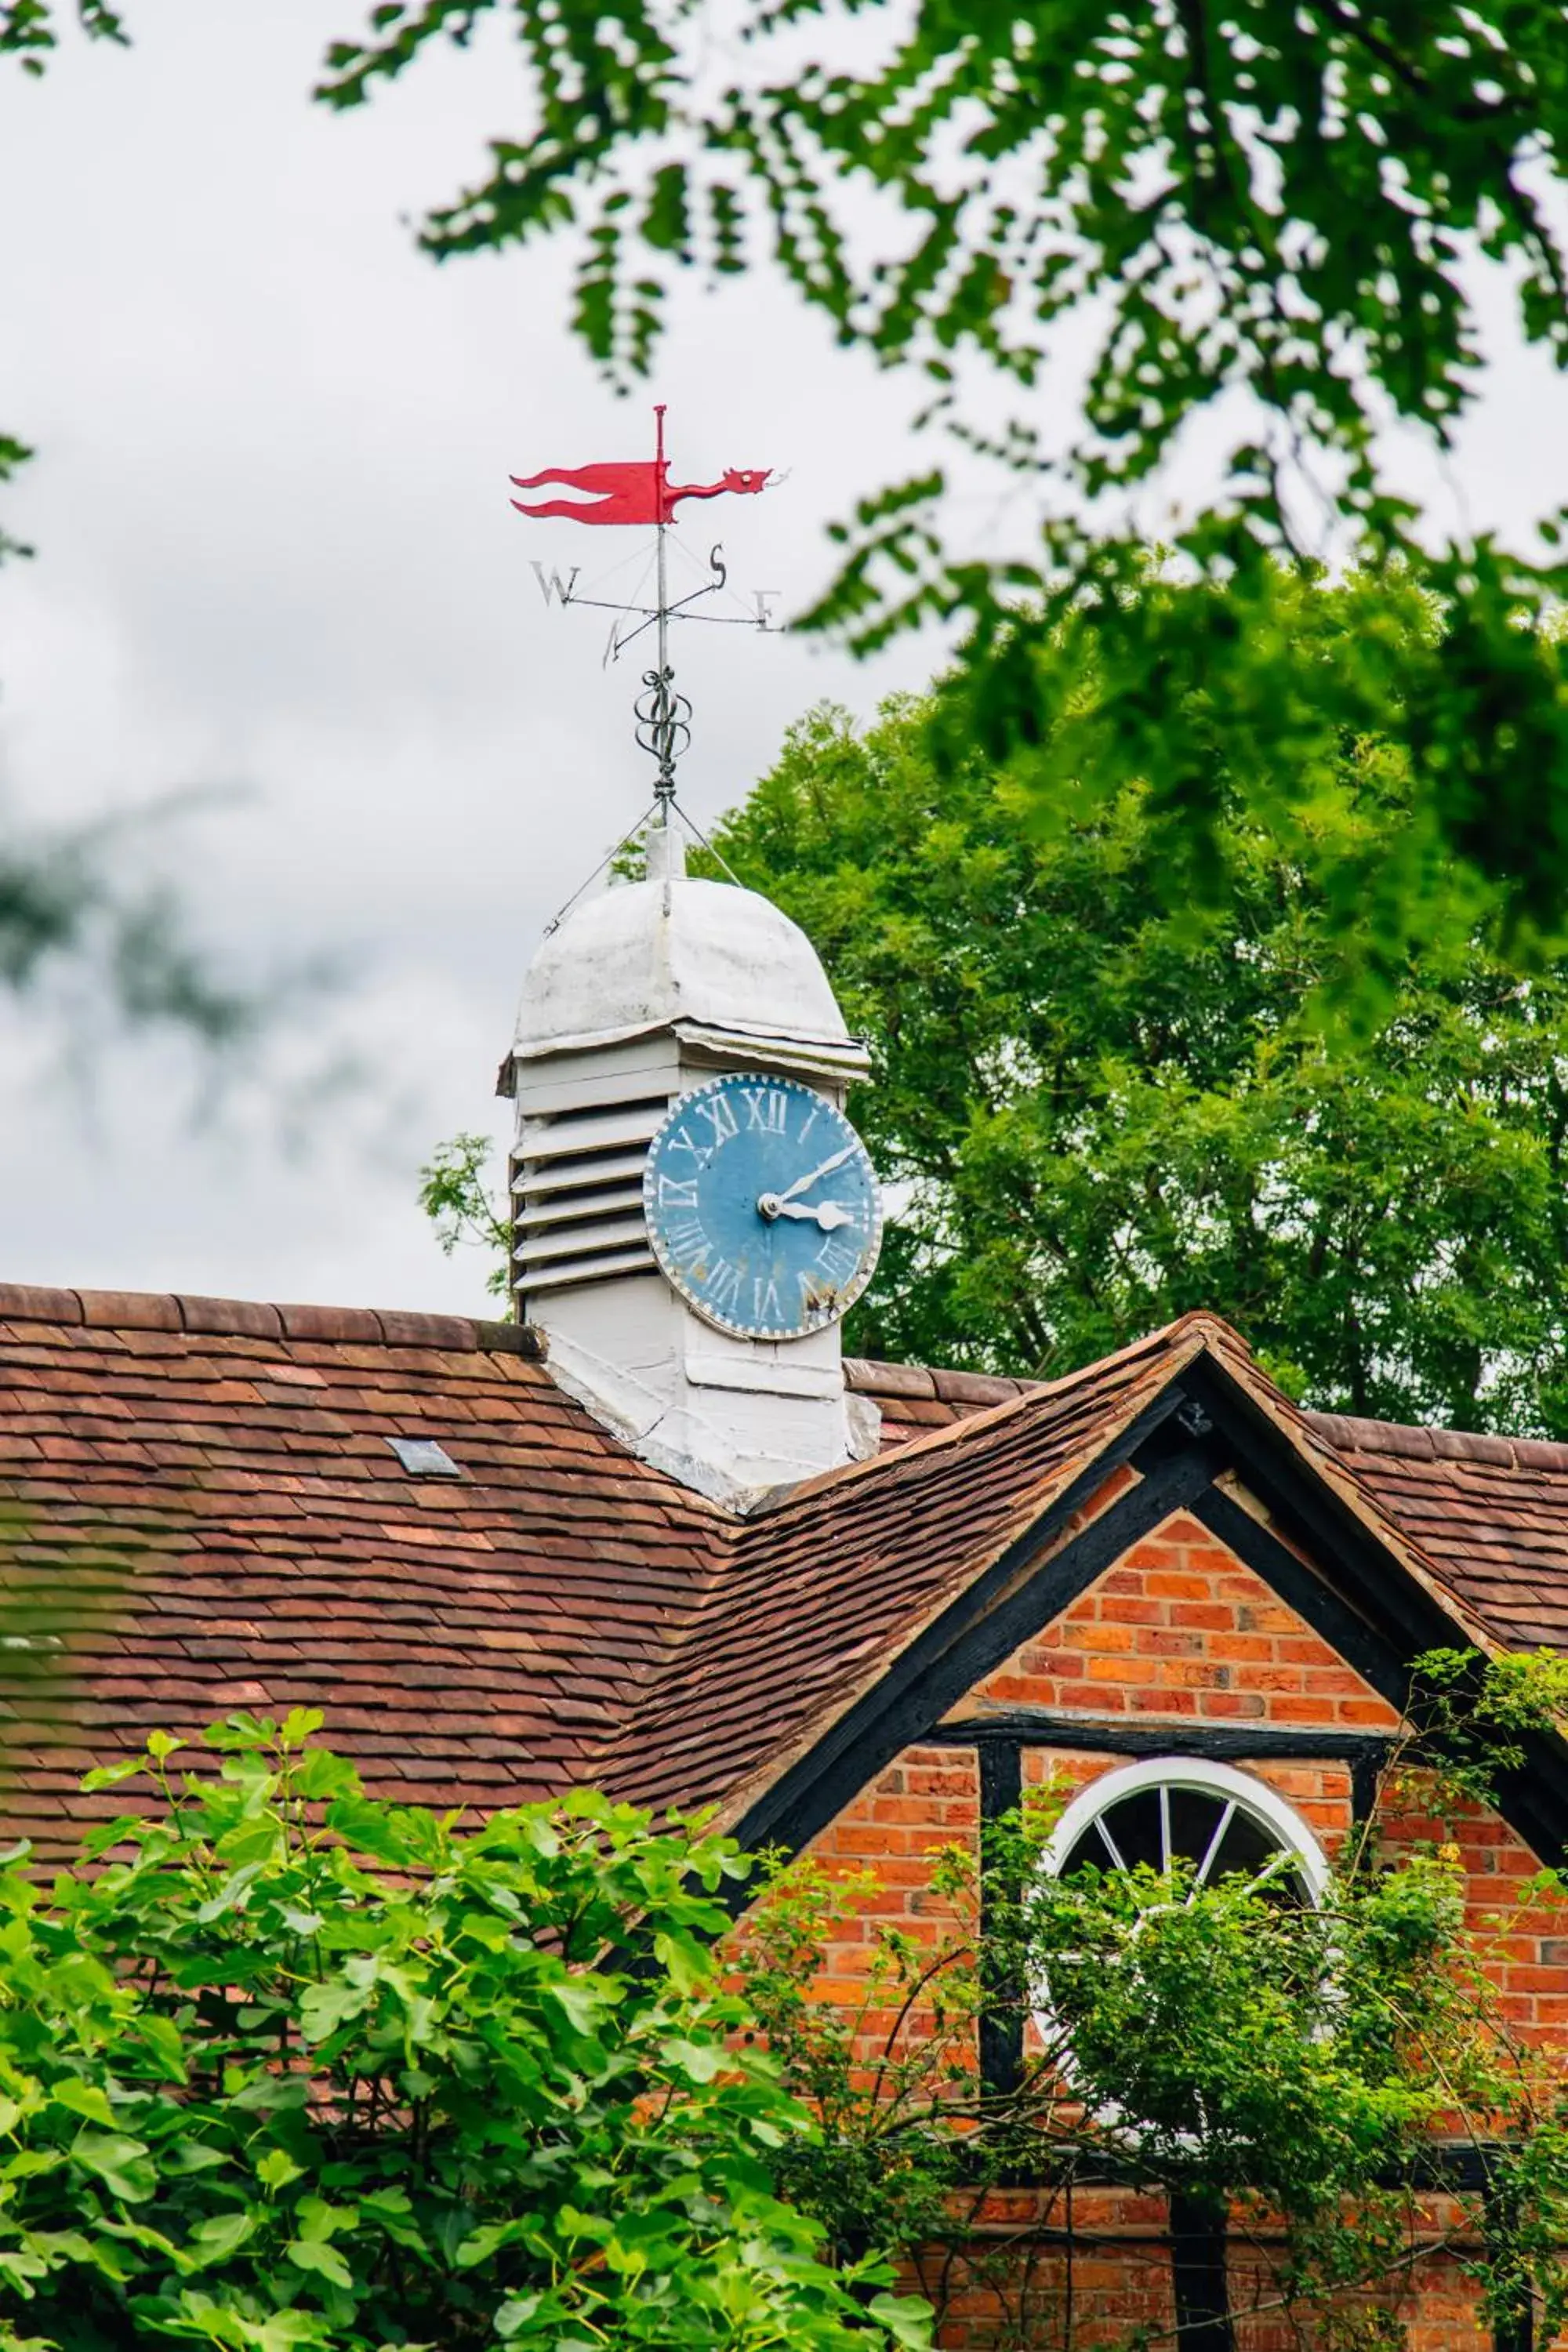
<point x="641" y="993"/>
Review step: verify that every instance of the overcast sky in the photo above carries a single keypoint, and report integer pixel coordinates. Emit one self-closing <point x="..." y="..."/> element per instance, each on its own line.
<point x="276" y="558"/>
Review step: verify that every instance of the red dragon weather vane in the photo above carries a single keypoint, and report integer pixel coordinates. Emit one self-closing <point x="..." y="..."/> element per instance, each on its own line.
<point x="640" y="491"/>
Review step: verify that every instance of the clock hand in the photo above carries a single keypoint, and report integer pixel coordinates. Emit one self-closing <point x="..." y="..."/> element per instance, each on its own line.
<point x="803" y="1183"/>
<point x="828" y="1214"/>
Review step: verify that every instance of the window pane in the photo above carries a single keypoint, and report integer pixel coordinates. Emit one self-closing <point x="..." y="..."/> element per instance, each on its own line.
<point x="1134" y="1823"/>
<point x="1195" y="1817"/>
<point x="1087" y="1852"/>
<point x="1248" y="1847"/>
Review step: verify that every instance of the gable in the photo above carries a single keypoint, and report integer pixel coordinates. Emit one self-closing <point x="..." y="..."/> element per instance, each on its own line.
<point x="1200" y="1432"/>
<point x="1181" y="1630"/>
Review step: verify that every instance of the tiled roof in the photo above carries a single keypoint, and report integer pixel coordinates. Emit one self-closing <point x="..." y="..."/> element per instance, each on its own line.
<point x="1492" y="1512"/>
<point x="471" y="1640"/>
<point x="916" y="1398"/>
<point x="562" y="1609"/>
<point x="825" y="1589"/>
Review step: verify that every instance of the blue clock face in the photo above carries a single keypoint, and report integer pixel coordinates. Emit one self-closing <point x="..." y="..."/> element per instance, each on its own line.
<point x="762" y="1207"/>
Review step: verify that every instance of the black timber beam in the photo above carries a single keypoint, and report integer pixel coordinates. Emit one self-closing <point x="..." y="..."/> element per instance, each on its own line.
<point x="1051" y="1727"/>
<point x="1001" y="2025"/>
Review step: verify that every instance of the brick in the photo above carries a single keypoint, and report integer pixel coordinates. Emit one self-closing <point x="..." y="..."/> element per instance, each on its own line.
<point x="1095" y="1698"/>
<point x="1108" y="1641"/>
<point x="1114" y="1610"/>
<point x="1209" y="1616"/>
<point x="1160" y="1643"/>
<point x="1182" y="1528"/>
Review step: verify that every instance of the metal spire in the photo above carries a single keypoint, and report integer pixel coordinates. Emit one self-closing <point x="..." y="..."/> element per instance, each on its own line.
<point x="634" y="492"/>
<point x="664" y="717"/>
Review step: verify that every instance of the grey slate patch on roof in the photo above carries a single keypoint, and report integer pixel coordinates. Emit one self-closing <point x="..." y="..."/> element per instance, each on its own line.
<point x="422" y="1458"/>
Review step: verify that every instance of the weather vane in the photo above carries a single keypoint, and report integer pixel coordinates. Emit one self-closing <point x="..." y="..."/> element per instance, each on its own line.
<point x="641" y="491"/>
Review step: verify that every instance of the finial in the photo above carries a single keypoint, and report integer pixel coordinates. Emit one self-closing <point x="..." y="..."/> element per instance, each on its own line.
<point x="663" y="728"/>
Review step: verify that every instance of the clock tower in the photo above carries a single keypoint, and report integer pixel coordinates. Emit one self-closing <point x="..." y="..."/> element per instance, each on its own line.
<point x="694" y="1213"/>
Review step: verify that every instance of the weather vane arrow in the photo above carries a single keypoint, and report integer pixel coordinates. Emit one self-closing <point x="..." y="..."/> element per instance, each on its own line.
<point x="640" y="492"/>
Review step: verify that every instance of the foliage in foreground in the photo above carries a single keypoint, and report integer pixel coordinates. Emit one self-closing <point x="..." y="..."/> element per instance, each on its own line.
<point x="1294" y="2079"/>
<point x="306" y="2070"/>
<point x="1104" y="240"/>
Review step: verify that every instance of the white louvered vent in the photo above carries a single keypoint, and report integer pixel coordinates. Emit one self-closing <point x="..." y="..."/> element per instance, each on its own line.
<point x="577" y="1194"/>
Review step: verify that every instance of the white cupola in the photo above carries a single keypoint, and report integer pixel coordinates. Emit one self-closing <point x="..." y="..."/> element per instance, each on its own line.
<point x="638" y="997"/>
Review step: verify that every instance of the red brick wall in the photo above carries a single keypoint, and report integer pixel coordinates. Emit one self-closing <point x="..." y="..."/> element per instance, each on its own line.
<point x="1178" y="1630"/>
<point x="1182" y="1628"/>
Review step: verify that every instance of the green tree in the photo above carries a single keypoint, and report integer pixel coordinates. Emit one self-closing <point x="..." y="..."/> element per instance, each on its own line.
<point x="1267" y="224"/>
<point x="1294" y="2074"/>
<point x="1099" y="1111"/>
<point x="281" y="2066"/>
<point x="454" y="1195"/>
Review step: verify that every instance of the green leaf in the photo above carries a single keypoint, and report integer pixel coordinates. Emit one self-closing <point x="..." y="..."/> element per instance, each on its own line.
<point x="907" y="2319"/>
<point x="583" y="2003"/>
<point x="84" y="2099"/>
<point x="124" y="2166"/>
<point x="314" y="2256"/>
<point x="232" y="1890"/>
<point x="324" y="2008"/>
<point x="513" y="2315"/>
<point x="700" y="2061"/>
<point x="321" y="1775"/>
<point x="277" y="2169"/>
<point x="219" y="2237"/>
<point x="318" y="2220"/>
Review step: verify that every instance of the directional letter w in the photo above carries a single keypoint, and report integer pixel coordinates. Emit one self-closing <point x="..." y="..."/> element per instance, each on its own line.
<point x="552" y="585"/>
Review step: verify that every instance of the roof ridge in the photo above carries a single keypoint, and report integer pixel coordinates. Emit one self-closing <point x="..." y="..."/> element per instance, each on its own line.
<point x="155" y="1310"/>
<point x="1198" y="1318"/>
<point x="1423" y="1441"/>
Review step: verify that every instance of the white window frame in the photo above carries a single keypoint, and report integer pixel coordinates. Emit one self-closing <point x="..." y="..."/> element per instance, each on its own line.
<point x="1241" y="1791"/>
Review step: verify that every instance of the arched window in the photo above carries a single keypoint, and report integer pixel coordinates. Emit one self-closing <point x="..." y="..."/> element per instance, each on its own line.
<point x="1180" y="1808"/>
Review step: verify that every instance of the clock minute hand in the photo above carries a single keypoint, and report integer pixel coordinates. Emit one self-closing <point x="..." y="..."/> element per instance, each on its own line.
<point x="803" y="1183"/>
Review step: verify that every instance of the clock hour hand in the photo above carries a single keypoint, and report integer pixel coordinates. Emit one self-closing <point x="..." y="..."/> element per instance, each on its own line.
<point x="803" y="1183"/>
<point x="828" y="1214"/>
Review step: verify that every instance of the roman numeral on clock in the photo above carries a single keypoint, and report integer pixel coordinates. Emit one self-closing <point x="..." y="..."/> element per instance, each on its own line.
<point x="723" y="1286"/>
<point x="766" y="1110"/>
<point x="837" y="1260"/>
<point x="767" y="1306"/>
<point x="716" y="1110"/>
<point x="688" y="1242"/>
